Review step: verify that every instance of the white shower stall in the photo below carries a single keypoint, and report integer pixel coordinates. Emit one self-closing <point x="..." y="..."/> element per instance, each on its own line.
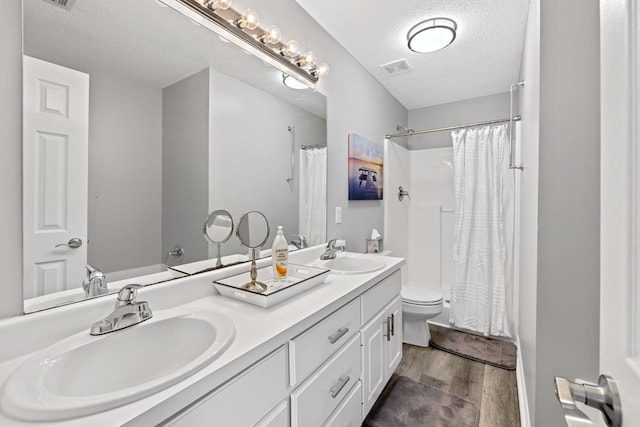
<point x="420" y="227"/>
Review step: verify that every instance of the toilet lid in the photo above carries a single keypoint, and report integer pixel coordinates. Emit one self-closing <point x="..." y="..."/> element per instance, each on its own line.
<point x="421" y="295"/>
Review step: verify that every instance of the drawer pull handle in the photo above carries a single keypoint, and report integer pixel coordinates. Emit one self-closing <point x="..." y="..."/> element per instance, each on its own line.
<point x="393" y="324"/>
<point x="387" y="323"/>
<point x="339" y="334"/>
<point x="336" y="389"/>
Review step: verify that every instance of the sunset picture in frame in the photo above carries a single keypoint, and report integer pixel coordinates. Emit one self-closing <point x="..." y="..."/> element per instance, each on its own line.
<point x="365" y="169"/>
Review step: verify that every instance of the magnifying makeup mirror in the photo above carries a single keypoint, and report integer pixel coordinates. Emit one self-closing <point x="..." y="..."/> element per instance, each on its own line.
<point x="217" y="229"/>
<point x="253" y="232"/>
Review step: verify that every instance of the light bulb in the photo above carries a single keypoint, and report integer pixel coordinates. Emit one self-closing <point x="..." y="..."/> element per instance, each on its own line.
<point x="271" y="35"/>
<point x="249" y="20"/>
<point x="321" y="70"/>
<point x="291" y="49"/>
<point x="308" y="59"/>
<point x="216" y="4"/>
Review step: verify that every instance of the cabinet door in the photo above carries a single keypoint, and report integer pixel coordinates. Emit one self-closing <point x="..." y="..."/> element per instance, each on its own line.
<point x="394" y="346"/>
<point x="261" y="385"/>
<point x="374" y="348"/>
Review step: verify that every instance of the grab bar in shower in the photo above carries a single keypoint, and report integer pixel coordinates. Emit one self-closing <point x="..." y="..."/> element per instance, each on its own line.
<point x="292" y="129"/>
<point x="512" y="89"/>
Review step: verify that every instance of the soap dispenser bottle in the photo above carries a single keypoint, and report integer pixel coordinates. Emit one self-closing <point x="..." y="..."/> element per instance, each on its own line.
<point x="280" y="255"/>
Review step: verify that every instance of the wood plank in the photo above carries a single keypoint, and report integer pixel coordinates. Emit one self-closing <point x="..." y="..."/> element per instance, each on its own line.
<point x="467" y="379"/>
<point x="500" y="400"/>
<point x="492" y="390"/>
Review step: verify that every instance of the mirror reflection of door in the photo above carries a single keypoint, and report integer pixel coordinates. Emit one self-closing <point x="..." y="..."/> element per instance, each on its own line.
<point x="55" y="159"/>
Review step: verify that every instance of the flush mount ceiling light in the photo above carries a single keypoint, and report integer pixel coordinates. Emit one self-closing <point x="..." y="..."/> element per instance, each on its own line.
<point x="432" y="35"/>
<point x="292" y="82"/>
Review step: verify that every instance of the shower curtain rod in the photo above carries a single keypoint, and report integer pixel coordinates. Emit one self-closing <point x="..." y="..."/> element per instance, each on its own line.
<point x="306" y="147"/>
<point x="469" y="125"/>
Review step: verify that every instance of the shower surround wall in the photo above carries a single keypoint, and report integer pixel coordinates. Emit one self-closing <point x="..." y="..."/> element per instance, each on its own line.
<point x="431" y="224"/>
<point x="420" y="228"/>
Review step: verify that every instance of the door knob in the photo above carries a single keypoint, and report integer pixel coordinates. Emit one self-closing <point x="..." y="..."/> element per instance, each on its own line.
<point x="604" y="397"/>
<point x="73" y="243"/>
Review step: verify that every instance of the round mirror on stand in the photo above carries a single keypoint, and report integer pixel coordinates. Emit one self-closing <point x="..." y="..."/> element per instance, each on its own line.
<point x="253" y="232"/>
<point x="217" y="229"/>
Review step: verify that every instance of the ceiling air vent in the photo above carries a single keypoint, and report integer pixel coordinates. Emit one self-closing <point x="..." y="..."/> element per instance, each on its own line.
<point x="396" y="67"/>
<point x="65" y="4"/>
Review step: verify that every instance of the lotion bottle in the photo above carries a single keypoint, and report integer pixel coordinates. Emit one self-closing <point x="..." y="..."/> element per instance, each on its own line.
<point x="280" y="255"/>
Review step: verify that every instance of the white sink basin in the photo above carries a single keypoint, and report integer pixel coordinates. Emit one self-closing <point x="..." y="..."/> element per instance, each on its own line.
<point x="347" y="263"/>
<point x="84" y="374"/>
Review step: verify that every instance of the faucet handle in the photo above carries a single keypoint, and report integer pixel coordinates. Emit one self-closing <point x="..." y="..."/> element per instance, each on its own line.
<point x="93" y="273"/>
<point x="128" y="293"/>
<point x="331" y="244"/>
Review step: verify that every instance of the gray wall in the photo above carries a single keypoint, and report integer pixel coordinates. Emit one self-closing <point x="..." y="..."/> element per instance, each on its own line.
<point x="250" y="155"/>
<point x="185" y="170"/>
<point x="125" y="149"/>
<point x="11" y="158"/>
<point x="490" y="107"/>
<point x="567" y="338"/>
<point x="356" y="103"/>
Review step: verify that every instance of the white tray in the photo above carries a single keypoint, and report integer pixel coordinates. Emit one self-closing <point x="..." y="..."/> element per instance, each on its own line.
<point x="299" y="279"/>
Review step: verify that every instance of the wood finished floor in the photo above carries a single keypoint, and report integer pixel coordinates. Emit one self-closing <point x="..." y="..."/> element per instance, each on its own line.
<point x="492" y="390"/>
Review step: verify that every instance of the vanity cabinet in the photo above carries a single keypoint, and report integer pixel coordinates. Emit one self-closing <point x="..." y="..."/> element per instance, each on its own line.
<point x="329" y="375"/>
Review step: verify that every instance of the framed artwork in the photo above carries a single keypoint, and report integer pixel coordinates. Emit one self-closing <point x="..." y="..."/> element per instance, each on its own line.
<point x="365" y="168"/>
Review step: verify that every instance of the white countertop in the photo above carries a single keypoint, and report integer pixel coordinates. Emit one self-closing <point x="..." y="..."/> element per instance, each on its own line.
<point x="259" y="331"/>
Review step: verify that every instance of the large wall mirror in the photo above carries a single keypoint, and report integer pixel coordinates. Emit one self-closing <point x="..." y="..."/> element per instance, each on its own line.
<point x="137" y="124"/>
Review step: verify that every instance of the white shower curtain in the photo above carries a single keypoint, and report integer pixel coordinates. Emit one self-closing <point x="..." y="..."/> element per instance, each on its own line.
<point x="478" y="294"/>
<point x="313" y="195"/>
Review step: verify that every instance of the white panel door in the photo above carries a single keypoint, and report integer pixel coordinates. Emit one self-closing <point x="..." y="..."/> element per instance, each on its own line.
<point x="55" y="175"/>
<point x="620" y="204"/>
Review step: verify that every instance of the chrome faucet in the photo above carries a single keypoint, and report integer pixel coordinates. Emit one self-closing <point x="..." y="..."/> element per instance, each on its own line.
<point x="95" y="284"/>
<point x="127" y="312"/>
<point x="332" y="250"/>
<point x="301" y="243"/>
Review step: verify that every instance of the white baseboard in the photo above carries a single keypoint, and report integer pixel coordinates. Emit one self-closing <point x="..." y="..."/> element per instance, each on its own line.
<point x="525" y="419"/>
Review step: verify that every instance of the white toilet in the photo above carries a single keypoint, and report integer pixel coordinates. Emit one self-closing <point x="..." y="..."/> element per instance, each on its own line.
<point x="419" y="303"/>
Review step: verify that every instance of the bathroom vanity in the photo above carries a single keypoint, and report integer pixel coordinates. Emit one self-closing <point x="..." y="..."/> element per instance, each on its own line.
<point x="319" y="358"/>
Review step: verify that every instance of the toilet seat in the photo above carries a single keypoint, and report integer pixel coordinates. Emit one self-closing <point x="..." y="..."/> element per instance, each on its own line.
<point x="420" y="295"/>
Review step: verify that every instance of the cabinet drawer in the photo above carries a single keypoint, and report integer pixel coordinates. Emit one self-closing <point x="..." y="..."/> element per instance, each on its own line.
<point x="244" y="400"/>
<point x="379" y="296"/>
<point x="319" y="396"/>
<point x="310" y="349"/>
<point x="349" y="413"/>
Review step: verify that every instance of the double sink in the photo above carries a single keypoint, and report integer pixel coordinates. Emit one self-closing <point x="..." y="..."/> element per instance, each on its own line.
<point x="85" y="374"/>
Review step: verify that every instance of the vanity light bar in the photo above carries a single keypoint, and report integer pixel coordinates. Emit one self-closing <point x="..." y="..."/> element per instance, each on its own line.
<point x="281" y="55"/>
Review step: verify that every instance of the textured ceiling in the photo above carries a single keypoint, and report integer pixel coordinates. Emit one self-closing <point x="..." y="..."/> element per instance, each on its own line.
<point x="147" y="43"/>
<point x="484" y="58"/>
